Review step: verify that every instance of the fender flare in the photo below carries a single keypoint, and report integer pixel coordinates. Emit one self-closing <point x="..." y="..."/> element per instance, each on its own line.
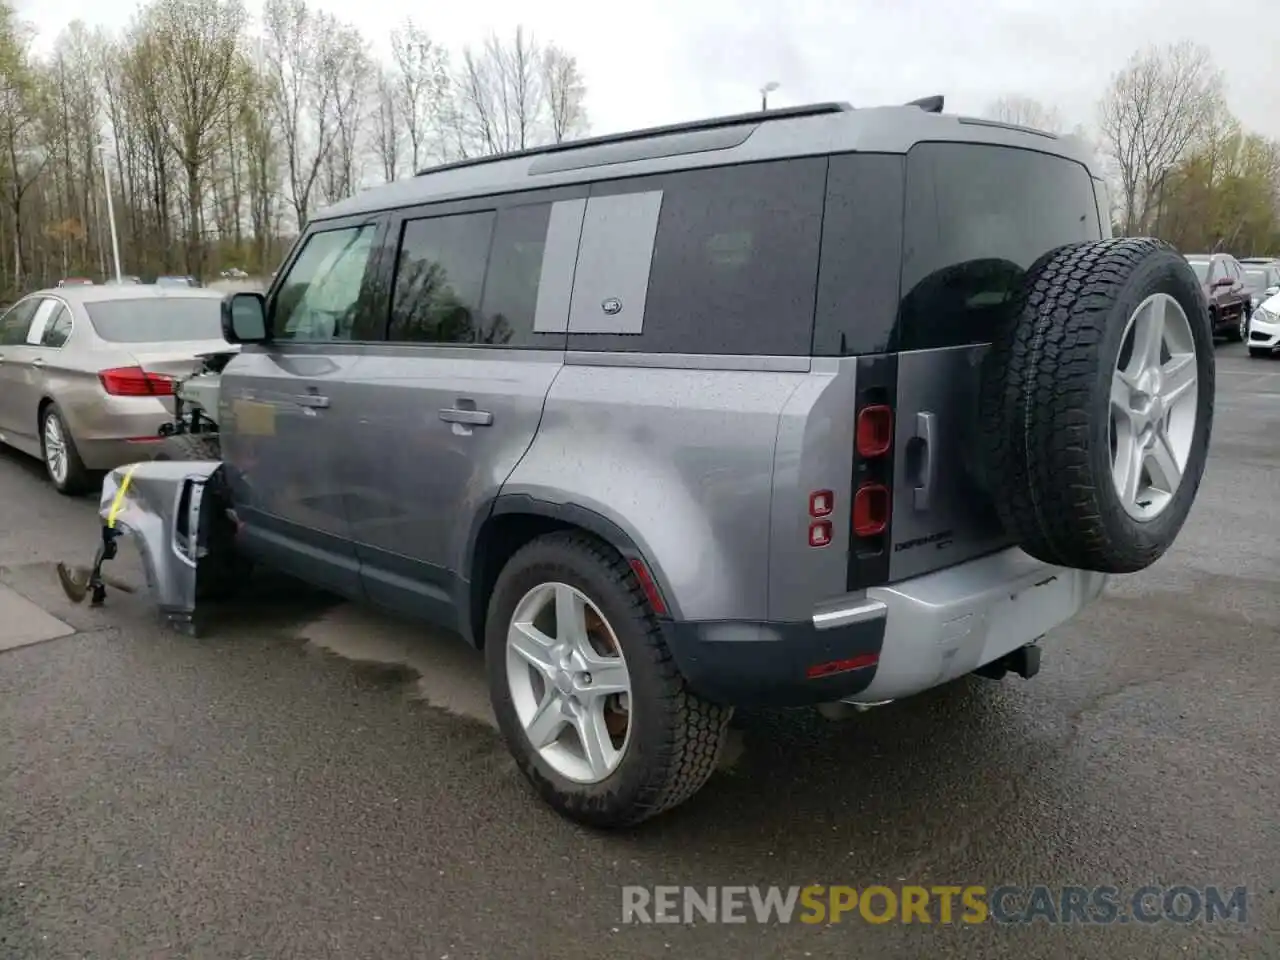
<point x="575" y="515"/>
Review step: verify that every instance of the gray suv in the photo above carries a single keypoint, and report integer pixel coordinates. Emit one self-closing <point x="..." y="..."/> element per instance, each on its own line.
<point x="808" y="406"/>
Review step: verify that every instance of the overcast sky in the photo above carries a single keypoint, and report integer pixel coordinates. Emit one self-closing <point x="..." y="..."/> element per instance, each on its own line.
<point x="660" y="61"/>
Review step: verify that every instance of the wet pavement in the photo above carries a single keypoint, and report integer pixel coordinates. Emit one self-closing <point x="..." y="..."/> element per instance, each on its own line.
<point x="313" y="780"/>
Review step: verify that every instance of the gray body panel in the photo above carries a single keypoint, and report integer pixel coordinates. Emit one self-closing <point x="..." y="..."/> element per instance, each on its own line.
<point x="680" y="459"/>
<point x="430" y="434"/>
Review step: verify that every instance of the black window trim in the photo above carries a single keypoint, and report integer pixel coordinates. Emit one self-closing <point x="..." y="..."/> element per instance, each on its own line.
<point x="491" y="203"/>
<point x="368" y="289"/>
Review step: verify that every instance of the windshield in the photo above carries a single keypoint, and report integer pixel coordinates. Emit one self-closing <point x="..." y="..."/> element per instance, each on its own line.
<point x="159" y="320"/>
<point x="1255" y="279"/>
<point x="1201" y="267"/>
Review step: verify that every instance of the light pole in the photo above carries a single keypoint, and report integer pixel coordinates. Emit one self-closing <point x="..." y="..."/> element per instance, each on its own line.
<point x="111" y="215"/>
<point x="767" y="89"/>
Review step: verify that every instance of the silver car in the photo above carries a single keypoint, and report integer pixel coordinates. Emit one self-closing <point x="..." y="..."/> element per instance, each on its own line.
<point x="85" y="372"/>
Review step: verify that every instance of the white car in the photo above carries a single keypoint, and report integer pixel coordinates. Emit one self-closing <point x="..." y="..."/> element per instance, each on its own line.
<point x="1264" y="328"/>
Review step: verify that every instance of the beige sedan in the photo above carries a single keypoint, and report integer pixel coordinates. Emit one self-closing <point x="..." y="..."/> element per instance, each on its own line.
<point x="87" y="373"/>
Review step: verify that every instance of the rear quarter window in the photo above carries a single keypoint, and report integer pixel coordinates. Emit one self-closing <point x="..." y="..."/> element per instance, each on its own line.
<point x="976" y="217"/>
<point x="731" y="269"/>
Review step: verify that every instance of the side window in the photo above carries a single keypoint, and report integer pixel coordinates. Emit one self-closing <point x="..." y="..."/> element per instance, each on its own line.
<point x="58" y="329"/>
<point x="440" y="279"/>
<point x="1215" y="271"/>
<point x="732" y="268"/>
<point x="17" y="321"/>
<point x="40" y="322"/>
<point x="320" y="296"/>
<point x="977" y="217"/>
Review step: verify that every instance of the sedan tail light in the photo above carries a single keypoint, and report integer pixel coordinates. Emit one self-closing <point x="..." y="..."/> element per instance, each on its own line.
<point x="135" y="382"/>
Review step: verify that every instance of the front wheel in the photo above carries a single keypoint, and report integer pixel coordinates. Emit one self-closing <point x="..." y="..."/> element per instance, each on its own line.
<point x="586" y="694"/>
<point x="1258" y="352"/>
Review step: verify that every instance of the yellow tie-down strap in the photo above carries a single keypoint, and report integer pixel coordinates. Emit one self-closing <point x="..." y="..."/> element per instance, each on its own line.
<point x="118" y="500"/>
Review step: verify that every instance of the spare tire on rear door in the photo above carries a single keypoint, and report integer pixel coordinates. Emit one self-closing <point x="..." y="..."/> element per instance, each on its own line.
<point x="1097" y="404"/>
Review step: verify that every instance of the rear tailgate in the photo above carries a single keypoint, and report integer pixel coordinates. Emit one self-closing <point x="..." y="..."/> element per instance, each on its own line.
<point x="976" y="217"/>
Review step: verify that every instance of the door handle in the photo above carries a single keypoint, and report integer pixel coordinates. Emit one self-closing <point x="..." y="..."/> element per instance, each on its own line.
<point x="474" y="418"/>
<point x="311" y="400"/>
<point x="925" y="431"/>
<point x="38" y="362"/>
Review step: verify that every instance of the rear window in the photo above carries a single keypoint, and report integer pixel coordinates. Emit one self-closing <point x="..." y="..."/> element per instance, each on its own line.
<point x="169" y="319"/>
<point x="1255" y="279"/>
<point x="976" y="218"/>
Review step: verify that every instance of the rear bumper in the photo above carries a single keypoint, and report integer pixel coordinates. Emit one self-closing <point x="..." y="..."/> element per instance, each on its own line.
<point x="113" y="431"/>
<point x="893" y="642"/>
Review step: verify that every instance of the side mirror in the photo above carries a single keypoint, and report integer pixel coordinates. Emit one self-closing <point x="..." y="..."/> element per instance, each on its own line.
<point x="1270" y="292"/>
<point x="1222" y="282"/>
<point x="244" y="317"/>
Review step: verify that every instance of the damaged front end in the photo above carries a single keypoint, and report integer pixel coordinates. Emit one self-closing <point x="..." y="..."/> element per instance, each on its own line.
<point x="178" y="514"/>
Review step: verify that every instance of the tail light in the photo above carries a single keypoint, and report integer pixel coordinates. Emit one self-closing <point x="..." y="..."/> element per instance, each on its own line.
<point x="135" y="382"/>
<point x="871" y="510"/>
<point x="875" y="430"/>
<point x="872" y="499"/>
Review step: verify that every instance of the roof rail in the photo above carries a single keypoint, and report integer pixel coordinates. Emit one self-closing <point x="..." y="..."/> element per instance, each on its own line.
<point x="714" y="123"/>
<point x="928" y="104"/>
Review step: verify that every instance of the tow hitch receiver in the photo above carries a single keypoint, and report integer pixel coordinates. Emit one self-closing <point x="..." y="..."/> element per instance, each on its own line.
<point x="1025" y="662"/>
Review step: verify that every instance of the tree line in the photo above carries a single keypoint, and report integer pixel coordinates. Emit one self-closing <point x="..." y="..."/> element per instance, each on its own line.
<point x="218" y="134"/>
<point x="1181" y="165"/>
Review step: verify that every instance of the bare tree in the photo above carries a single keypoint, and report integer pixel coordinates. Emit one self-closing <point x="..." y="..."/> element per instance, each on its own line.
<point x="22" y="105"/>
<point x="302" y="96"/>
<point x="421" y="82"/>
<point x="1025" y="112"/>
<point x="197" y="59"/>
<point x="1155" y="110"/>
<point x="499" y="104"/>
<point x="386" y="125"/>
<point x="347" y="66"/>
<point x="565" y="93"/>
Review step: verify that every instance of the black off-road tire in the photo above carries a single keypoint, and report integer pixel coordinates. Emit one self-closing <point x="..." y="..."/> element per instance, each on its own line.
<point x="1259" y="352"/>
<point x="1045" y="402"/>
<point x="190" y="446"/>
<point x="676" y="737"/>
<point x="79" y="479"/>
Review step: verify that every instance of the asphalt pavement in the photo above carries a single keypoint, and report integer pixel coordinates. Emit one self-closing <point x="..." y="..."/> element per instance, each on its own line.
<point x="313" y="780"/>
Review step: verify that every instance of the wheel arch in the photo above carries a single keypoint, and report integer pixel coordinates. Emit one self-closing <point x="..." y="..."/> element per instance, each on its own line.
<point x="513" y="520"/>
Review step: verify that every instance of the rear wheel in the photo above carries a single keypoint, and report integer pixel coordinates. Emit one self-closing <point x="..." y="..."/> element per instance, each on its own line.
<point x="585" y="691"/>
<point x="61" y="458"/>
<point x="1242" y="333"/>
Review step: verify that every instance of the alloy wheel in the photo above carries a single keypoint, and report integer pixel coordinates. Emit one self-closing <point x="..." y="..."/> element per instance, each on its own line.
<point x="569" y="682"/>
<point x="1153" y="406"/>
